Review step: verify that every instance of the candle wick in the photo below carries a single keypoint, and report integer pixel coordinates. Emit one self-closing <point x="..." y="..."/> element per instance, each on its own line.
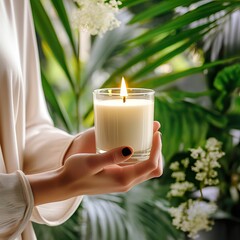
<point x="124" y="99"/>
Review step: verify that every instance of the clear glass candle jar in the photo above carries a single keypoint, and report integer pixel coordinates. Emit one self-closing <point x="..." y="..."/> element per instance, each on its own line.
<point x="124" y="121"/>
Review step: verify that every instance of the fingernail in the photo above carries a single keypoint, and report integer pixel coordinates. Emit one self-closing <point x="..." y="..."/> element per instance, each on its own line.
<point x="126" y="152"/>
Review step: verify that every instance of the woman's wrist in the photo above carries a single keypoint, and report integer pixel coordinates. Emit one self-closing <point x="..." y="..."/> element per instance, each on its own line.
<point x="47" y="186"/>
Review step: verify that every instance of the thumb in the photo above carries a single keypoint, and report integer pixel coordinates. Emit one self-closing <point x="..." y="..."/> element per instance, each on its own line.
<point x="114" y="156"/>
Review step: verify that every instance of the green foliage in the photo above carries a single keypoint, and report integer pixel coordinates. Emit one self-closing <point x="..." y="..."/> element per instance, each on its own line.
<point x="65" y="231"/>
<point x="161" y="43"/>
<point x="152" y="36"/>
<point x="159" y="81"/>
<point x="48" y="34"/>
<point x="56" y="109"/>
<point x="63" y="17"/>
<point x="184" y="125"/>
<point x="226" y="82"/>
<point x="103" y="217"/>
<point x="125" y="217"/>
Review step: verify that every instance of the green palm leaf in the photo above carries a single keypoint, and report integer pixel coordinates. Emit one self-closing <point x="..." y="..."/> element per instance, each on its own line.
<point x="47" y="32"/>
<point x="127" y="3"/>
<point x="103" y="49"/>
<point x="55" y="106"/>
<point x="156" y="47"/>
<point x="201" y="12"/>
<point x="104" y="218"/>
<point x="157" y="9"/>
<point x="226" y="82"/>
<point x="158" y="81"/>
<point x="184" y="124"/>
<point x="63" y="17"/>
<point x="176" y="31"/>
<point x="145" y="219"/>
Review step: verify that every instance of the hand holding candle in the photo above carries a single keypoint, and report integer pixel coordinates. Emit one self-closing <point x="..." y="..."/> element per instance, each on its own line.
<point x="124" y="117"/>
<point x="85" y="173"/>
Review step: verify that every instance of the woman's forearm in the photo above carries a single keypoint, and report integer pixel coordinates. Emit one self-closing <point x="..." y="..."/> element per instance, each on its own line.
<point x="46" y="187"/>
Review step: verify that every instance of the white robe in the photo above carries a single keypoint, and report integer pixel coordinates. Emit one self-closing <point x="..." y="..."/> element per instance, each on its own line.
<point x="29" y="143"/>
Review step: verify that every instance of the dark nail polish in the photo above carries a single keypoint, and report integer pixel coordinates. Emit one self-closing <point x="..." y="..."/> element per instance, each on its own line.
<point x="126" y="152"/>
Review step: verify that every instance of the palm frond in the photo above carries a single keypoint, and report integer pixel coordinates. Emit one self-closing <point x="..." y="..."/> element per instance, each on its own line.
<point x="63" y="17"/>
<point x="184" y="124"/>
<point x="103" y="218"/>
<point x="47" y="32"/>
<point x="55" y="106"/>
<point x="226" y="82"/>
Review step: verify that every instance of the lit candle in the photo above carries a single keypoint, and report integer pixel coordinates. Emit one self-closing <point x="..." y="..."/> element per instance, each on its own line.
<point x="124" y="117"/>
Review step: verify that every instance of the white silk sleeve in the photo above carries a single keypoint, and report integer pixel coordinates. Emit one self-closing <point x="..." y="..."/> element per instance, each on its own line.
<point x="16" y="204"/>
<point x="45" y="144"/>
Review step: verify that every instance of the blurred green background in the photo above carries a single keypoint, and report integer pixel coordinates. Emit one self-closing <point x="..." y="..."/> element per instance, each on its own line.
<point x="188" y="52"/>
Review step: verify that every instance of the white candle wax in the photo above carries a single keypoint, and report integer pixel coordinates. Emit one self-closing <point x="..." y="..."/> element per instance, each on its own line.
<point x="119" y="123"/>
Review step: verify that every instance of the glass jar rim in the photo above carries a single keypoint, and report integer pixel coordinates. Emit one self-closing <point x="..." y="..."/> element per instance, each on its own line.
<point x="130" y="91"/>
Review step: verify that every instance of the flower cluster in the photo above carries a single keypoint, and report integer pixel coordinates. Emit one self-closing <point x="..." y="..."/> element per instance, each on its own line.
<point x="96" y="16"/>
<point x="181" y="186"/>
<point x="191" y="216"/>
<point x="207" y="162"/>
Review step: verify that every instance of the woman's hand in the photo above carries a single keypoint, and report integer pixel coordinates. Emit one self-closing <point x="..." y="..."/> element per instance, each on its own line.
<point x="88" y="173"/>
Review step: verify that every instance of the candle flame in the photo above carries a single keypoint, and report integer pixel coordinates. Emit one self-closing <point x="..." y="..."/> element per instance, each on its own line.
<point x="123" y="91"/>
